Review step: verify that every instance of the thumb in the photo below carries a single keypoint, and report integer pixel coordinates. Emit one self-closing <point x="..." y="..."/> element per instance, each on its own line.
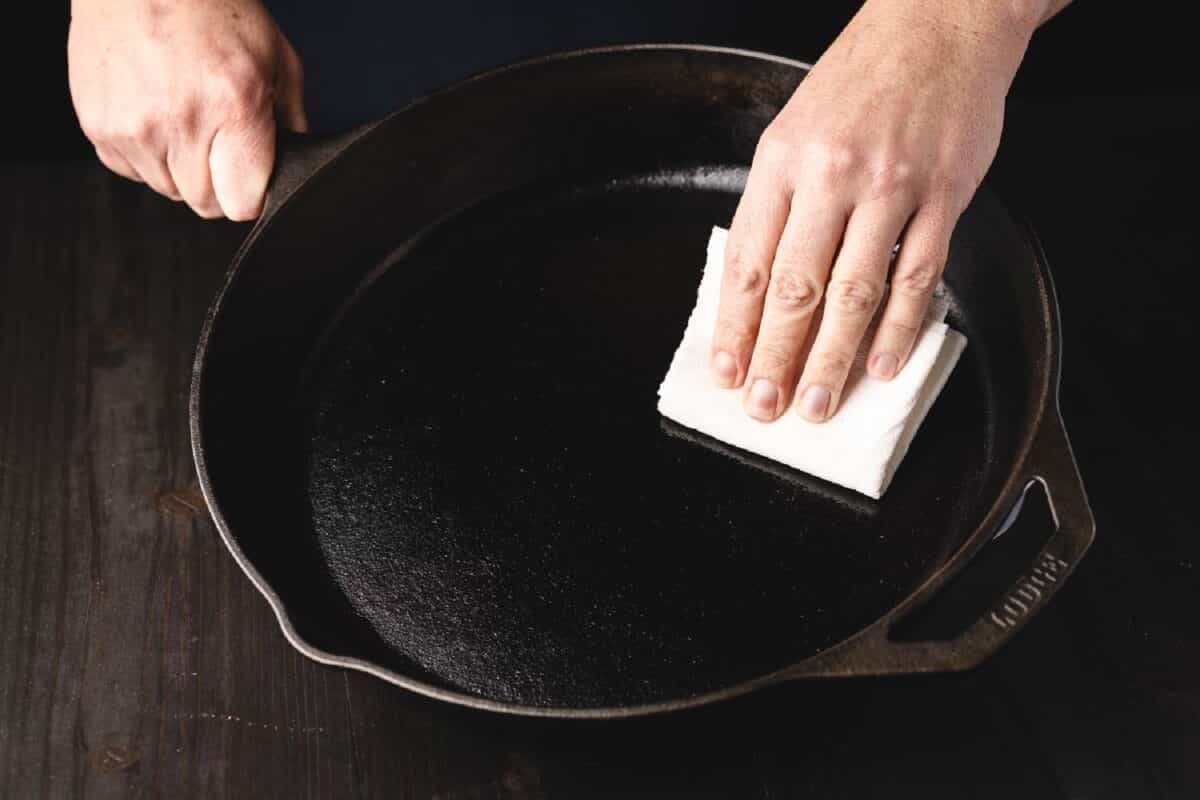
<point x="240" y="163"/>
<point x="289" y="90"/>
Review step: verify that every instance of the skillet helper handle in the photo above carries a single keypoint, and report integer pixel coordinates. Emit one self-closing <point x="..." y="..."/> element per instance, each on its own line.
<point x="300" y="156"/>
<point x="1050" y="463"/>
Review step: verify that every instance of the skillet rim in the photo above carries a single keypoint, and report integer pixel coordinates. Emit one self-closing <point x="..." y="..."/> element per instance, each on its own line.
<point x="1013" y="487"/>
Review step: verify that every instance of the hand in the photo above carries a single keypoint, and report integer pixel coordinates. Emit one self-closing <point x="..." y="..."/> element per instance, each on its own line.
<point x="182" y="95"/>
<point x="884" y="141"/>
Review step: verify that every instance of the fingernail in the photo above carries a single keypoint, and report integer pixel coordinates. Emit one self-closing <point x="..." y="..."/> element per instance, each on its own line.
<point x="884" y="365"/>
<point x="815" y="403"/>
<point x="764" y="397"/>
<point x="725" y="367"/>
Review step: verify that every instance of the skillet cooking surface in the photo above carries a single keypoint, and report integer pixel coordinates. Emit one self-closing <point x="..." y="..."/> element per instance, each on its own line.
<point x="494" y="492"/>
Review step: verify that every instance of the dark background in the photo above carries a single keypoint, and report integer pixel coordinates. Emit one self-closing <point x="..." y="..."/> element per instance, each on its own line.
<point x="364" y="58"/>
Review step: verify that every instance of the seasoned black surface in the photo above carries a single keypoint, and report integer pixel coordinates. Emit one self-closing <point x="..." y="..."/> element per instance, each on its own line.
<point x="495" y="492"/>
<point x="136" y="660"/>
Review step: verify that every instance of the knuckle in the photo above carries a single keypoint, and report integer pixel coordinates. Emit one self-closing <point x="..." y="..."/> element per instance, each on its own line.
<point x="180" y="117"/>
<point x="795" y="292"/>
<point x="774" y="146"/>
<point x="744" y="275"/>
<point x="94" y="127"/>
<point x="109" y="162"/>
<point x="831" y="161"/>
<point x="892" y="177"/>
<point x="137" y="128"/>
<point x="917" y="281"/>
<point x="854" y="296"/>
<point x="240" y="88"/>
<point x="95" y="134"/>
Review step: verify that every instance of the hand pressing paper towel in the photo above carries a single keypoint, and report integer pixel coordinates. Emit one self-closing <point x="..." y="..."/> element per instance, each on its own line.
<point x="860" y="447"/>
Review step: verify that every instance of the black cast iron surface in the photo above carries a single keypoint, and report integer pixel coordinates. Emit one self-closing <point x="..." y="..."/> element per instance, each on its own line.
<point x="494" y="491"/>
<point x="423" y="409"/>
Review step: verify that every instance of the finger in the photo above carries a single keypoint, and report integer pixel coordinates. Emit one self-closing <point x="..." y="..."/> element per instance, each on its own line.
<point x="918" y="270"/>
<point x="151" y="164"/>
<point x="757" y="225"/>
<point x="188" y="162"/>
<point x="117" y="163"/>
<point x="806" y="249"/>
<point x="851" y="299"/>
<point x="240" y="164"/>
<point x="289" y="90"/>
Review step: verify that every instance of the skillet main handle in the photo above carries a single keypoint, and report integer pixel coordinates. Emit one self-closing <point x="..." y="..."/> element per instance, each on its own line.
<point x="300" y="156"/>
<point x="1052" y="464"/>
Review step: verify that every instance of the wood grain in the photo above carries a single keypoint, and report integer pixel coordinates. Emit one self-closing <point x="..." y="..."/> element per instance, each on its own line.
<point x="137" y="661"/>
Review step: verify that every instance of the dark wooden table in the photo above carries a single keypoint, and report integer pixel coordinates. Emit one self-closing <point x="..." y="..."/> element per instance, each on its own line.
<point x="136" y="660"/>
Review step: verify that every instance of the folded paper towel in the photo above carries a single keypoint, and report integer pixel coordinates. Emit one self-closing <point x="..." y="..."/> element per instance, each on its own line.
<point x="860" y="447"/>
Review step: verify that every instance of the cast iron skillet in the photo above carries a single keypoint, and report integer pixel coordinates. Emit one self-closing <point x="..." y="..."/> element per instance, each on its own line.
<point x="423" y="410"/>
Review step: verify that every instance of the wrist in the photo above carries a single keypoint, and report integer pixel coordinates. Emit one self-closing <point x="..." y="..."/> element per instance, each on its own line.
<point x="990" y="36"/>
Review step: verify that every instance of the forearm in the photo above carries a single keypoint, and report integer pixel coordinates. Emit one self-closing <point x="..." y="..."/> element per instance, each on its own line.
<point x="987" y="37"/>
<point x="1020" y="16"/>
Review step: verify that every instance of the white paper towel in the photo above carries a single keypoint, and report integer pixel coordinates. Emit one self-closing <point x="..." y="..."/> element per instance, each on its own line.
<point x="860" y="447"/>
